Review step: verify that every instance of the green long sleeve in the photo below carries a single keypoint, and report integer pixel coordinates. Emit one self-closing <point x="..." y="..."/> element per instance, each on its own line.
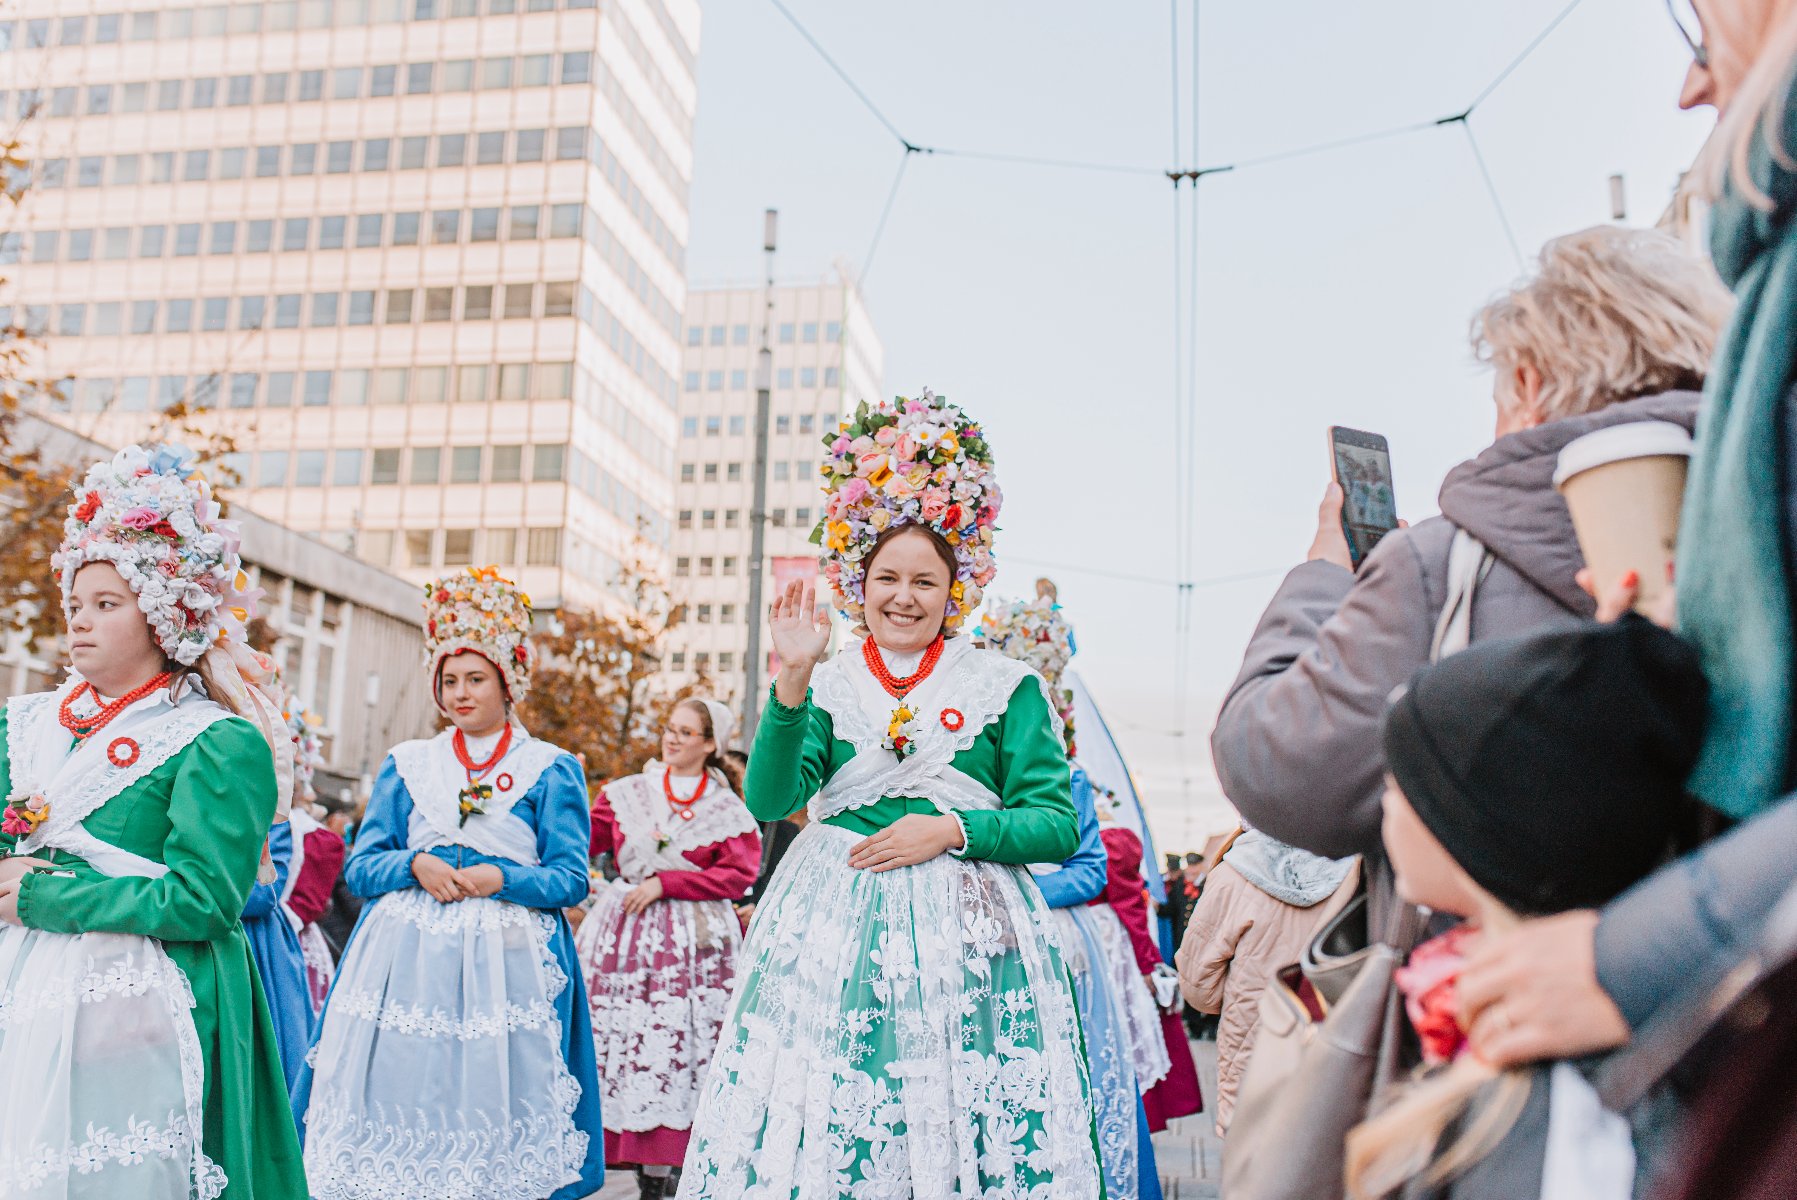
<point x="1038" y="822"/>
<point x="221" y="802"/>
<point x="791" y="758"/>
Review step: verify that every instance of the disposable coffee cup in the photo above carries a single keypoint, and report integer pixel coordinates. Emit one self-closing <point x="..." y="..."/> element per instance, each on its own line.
<point x="1624" y="485"/>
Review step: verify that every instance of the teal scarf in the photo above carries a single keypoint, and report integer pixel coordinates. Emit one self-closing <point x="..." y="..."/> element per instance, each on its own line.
<point x="1734" y="596"/>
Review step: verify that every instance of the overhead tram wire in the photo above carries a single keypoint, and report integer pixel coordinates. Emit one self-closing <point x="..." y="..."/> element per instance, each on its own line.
<point x="1497" y="201"/>
<point x="867" y="262"/>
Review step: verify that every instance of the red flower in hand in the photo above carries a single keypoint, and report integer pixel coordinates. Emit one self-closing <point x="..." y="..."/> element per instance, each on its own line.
<point x="1429" y="983"/>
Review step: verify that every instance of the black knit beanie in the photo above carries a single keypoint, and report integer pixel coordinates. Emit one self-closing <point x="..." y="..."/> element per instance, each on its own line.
<point x="1552" y="767"/>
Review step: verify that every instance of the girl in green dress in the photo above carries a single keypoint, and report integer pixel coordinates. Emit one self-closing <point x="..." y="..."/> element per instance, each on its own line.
<point x="902" y="1024"/>
<point x="137" y="1060"/>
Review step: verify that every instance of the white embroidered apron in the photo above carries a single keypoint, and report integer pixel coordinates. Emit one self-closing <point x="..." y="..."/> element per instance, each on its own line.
<point x="438" y="1069"/>
<point x="101" y="1073"/>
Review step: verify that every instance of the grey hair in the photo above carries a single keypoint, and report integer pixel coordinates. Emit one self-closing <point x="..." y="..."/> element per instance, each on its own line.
<point x="1609" y="314"/>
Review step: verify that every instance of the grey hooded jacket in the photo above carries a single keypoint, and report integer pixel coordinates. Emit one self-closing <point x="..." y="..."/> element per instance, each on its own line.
<point x="1297" y="743"/>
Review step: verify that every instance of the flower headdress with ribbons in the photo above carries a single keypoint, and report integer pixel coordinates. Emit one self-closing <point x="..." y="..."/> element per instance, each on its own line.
<point x="478" y="610"/>
<point x="1035" y="632"/>
<point x="151" y="514"/>
<point x="909" y="462"/>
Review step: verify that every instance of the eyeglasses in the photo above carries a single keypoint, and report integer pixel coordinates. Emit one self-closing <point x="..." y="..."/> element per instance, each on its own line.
<point x="1684" y="16"/>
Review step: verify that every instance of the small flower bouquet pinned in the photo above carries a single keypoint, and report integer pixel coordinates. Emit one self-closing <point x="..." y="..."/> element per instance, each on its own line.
<point x="24" y="813"/>
<point x="901" y="737"/>
<point x="662" y="840"/>
<point x="472" y="801"/>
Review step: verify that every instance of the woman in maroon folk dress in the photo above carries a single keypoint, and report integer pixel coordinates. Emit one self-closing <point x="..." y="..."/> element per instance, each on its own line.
<point x="659" y="946"/>
<point x="1177" y="1094"/>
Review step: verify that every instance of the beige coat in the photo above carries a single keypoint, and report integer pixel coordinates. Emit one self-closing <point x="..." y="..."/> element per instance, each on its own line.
<point x="1238" y="937"/>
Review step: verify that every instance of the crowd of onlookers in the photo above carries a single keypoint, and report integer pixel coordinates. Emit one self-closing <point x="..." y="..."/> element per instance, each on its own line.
<point x="1575" y="797"/>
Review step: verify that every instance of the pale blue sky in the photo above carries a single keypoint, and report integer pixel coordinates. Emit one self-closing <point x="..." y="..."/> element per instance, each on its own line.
<point x="1333" y="289"/>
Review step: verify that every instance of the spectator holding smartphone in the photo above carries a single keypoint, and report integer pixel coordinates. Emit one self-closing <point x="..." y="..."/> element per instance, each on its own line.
<point x="1615" y="325"/>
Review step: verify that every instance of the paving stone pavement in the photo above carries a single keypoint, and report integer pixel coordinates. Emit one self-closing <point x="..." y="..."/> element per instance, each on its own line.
<point x="1188" y="1152"/>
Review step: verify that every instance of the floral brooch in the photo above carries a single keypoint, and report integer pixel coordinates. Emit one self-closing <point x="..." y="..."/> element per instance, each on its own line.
<point x="472" y="801"/>
<point x="901" y="738"/>
<point x="121" y="752"/>
<point x="24" y="814"/>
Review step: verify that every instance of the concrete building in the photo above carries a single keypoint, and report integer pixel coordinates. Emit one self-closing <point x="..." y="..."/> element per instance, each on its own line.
<point x="349" y="636"/>
<point x="423" y="258"/>
<point x="826" y="358"/>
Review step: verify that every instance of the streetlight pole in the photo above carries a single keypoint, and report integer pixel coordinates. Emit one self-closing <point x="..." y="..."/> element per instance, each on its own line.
<point x="764" y="382"/>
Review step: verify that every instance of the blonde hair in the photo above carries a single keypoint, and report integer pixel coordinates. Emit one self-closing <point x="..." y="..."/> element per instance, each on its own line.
<point x="1611" y="313"/>
<point x="1757" y="105"/>
<point x="1404" y="1140"/>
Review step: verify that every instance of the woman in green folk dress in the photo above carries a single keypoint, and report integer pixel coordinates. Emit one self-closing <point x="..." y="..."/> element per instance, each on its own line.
<point x="903" y="1025"/>
<point x="137" y="1059"/>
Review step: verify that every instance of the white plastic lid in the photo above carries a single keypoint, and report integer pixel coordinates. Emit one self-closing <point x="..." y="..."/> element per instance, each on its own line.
<point x="1614" y="443"/>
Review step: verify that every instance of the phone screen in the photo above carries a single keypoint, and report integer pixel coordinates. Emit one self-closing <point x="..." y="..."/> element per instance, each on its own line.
<point x="1363" y="469"/>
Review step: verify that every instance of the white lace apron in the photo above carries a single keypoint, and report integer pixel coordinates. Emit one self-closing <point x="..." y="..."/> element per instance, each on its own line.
<point x="321" y="964"/>
<point x="1114" y="1091"/>
<point x="1139" y="1018"/>
<point x="905" y="1033"/>
<point x="101" y="1073"/>
<point x="659" y="982"/>
<point x="438" y="1069"/>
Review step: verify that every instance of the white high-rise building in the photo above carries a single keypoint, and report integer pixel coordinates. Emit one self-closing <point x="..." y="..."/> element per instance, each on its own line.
<point x="826" y="358"/>
<point x="422" y="258"/>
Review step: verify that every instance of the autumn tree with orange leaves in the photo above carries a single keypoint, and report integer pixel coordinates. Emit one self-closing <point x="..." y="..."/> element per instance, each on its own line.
<point x="593" y="691"/>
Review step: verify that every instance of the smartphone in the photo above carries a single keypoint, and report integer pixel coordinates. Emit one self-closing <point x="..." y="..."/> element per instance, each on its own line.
<point x="1361" y="464"/>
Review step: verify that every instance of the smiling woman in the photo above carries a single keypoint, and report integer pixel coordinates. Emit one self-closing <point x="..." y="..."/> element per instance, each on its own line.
<point x="901" y="1023"/>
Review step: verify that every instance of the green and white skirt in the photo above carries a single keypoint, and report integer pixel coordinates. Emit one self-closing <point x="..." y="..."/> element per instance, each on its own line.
<point x="910" y="1033"/>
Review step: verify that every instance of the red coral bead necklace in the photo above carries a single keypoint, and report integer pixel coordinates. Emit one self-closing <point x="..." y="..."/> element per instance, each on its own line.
<point x="85" y="727"/>
<point x="477" y="769"/>
<point x="897" y="686"/>
<point x="683" y="806"/>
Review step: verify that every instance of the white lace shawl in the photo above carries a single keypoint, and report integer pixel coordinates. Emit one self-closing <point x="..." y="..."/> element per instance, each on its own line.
<point x="976" y="684"/>
<point x="77" y="779"/>
<point x="434" y="779"/>
<point x="641" y="810"/>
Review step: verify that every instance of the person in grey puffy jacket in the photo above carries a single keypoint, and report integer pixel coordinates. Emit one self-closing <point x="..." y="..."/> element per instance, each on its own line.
<point x="1615" y="325"/>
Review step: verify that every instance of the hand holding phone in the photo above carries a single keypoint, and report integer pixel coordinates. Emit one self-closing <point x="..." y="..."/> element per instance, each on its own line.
<point x="1360" y="464"/>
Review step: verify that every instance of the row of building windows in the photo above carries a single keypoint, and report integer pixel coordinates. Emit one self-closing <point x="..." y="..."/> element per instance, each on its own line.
<point x="702" y="661"/>
<point x="275" y="16"/>
<point x="349" y="387"/>
<point x="280" y="87"/>
<point x="352" y="83"/>
<point x="456" y="547"/>
<point x="493" y="147"/>
<point x="294" y="310"/>
<point x="707" y="518"/>
<point x="444" y="226"/>
<point x="610" y="330"/>
<point x="705" y="565"/>
<point x="380" y="466"/>
<point x="738" y="424"/>
<point x="784" y="471"/>
<point x="739" y="379"/>
<point x="790" y="331"/>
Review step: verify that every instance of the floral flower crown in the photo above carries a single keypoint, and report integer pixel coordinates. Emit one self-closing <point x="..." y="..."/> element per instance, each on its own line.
<point x="152" y="516"/>
<point x="475" y="609"/>
<point x="910" y="462"/>
<point x="1035" y="632"/>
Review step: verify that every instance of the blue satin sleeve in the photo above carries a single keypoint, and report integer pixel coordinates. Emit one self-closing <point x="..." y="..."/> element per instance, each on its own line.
<point x="381" y="860"/>
<point x="264" y="896"/>
<point x="1080" y="879"/>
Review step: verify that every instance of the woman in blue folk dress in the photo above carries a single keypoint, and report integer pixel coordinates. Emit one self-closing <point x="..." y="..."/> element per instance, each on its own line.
<point x="454" y="1056"/>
